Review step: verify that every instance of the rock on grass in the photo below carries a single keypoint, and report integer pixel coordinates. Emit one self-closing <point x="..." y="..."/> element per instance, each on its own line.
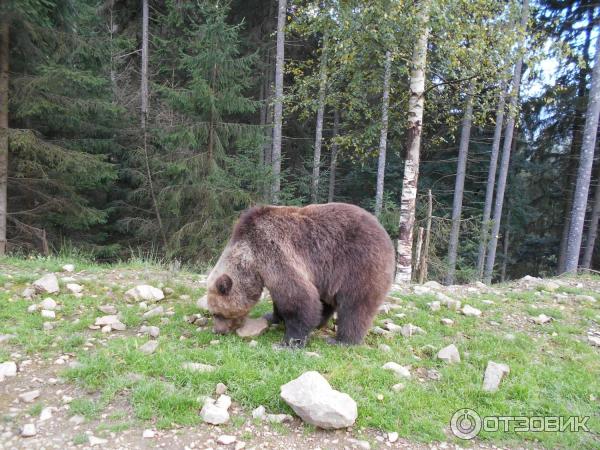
<point x="149" y="347"/>
<point x="449" y="354"/>
<point x="144" y="292"/>
<point x="48" y="284"/>
<point x="197" y="367"/>
<point x="28" y="430"/>
<point x="494" y="373"/>
<point x="313" y="399"/>
<point x="8" y="369"/>
<point x="399" y="370"/>
<point x="253" y="327"/>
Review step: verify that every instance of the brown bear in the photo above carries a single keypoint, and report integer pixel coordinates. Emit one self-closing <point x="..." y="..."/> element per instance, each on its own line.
<point x="313" y="260"/>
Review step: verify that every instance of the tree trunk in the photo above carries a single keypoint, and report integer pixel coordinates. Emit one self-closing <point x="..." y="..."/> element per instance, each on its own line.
<point x="334" y="150"/>
<point x="416" y="105"/>
<point x="491" y="181"/>
<point x="586" y="160"/>
<point x="278" y="109"/>
<point x="319" y="125"/>
<point x="459" y="185"/>
<point x="4" y="55"/>
<point x="576" y="140"/>
<point x="505" y="161"/>
<point x="592" y="233"/>
<point x="144" y="117"/>
<point x="505" y="242"/>
<point x="424" y="258"/>
<point x="384" y="130"/>
<point x="418" y="249"/>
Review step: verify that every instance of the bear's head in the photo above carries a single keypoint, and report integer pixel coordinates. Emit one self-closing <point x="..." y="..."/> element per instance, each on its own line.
<point x="234" y="287"/>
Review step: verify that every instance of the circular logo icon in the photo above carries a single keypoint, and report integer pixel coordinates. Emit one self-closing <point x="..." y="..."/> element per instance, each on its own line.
<point x="465" y="424"/>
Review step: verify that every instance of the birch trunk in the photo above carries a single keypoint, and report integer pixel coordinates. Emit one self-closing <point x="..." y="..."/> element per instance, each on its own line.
<point x="459" y="185"/>
<point x="592" y="233"/>
<point x="334" y="150"/>
<point x="416" y="105"/>
<point x="585" y="168"/>
<point x="423" y="263"/>
<point x="4" y="56"/>
<point x="491" y="181"/>
<point x="144" y="117"/>
<point x="278" y="109"/>
<point x="505" y="161"/>
<point x="319" y="125"/>
<point x="384" y="130"/>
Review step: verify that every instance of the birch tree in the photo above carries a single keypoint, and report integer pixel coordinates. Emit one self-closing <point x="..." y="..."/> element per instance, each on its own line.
<point x="416" y="104"/>
<point x="334" y="151"/>
<point x="4" y="55"/>
<point x="592" y="233"/>
<point x="506" y="148"/>
<point x="385" y="102"/>
<point x="584" y="172"/>
<point x="459" y="185"/>
<point x="491" y="180"/>
<point x="319" y="125"/>
<point x="278" y="100"/>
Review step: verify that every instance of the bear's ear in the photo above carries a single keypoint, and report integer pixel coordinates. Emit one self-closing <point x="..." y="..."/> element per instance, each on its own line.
<point x="224" y="283"/>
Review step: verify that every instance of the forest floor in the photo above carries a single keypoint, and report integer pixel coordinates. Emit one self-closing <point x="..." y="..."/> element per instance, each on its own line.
<point x="100" y="390"/>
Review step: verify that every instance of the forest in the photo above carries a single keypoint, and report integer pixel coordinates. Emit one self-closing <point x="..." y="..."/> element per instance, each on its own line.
<point x="144" y="127"/>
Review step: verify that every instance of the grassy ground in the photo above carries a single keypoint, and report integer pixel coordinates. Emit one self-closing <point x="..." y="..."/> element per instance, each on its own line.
<point x="554" y="370"/>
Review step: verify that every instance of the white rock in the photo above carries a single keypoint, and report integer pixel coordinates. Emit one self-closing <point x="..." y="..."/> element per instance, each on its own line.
<point x="585" y="298"/>
<point x="107" y="320"/>
<point x="226" y="439"/>
<point x="240" y="445"/>
<point x="421" y="290"/>
<point x="364" y="445"/>
<point x="28" y="430"/>
<point x="223" y="402"/>
<point x="74" y="288"/>
<point x="49" y="304"/>
<point x="391" y="326"/>
<point x="30" y="396"/>
<point x="212" y="414"/>
<point x="148" y="434"/>
<point x="380" y="331"/>
<point x="32" y="308"/>
<point x="398" y="387"/>
<point x="48" y="314"/>
<point x="469" y="311"/>
<point x="8" y="369"/>
<point x="48" y="284"/>
<point x="77" y="419"/>
<point x="28" y="292"/>
<point x="549" y="286"/>
<point x="541" y="319"/>
<point x="447" y="322"/>
<point x="6" y="337"/>
<point x="118" y="326"/>
<point x="93" y="441"/>
<point x="449" y="354"/>
<point x="313" y="399"/>
<point x="108" y="309"/>
<point x="144" y="292"/>
<point x="158" y="311"/>
<point x="220" y="389"/>
<point x="202" y="303"/>
<point x="392" y="437"/>
<point x="68" y="268"/>
<point x="197" y="367"/>
<point x="494" y="373"/>
<point x="435" y="306"/>
<point x="279" y="418"/>
<point x="448" y="302"/>
<point x="253" y="327"/>
<point x="259" y="413"/>
<point x="594" y="340"/>
<point x="152" y="331"/>
<point x="409" y="330"/>
<point x="47" y="413"/>
<point x="399" y="370"/>
<point x="149" y="347"/>
<point x="385" y="348"/>
<point x="433" y="285"/>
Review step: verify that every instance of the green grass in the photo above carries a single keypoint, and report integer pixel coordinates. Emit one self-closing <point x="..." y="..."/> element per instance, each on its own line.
<point x="553" y="369"/>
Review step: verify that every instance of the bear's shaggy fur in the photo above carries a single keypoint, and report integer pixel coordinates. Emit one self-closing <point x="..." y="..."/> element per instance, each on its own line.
<point x="313" y="260"/>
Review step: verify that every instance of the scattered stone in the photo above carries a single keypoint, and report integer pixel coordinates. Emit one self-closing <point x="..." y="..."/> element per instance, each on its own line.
<point x="197" y="367"/>
<point x="259" y="413"/>
<point x="541" y="319"/>
<point x="148" y="434"/>
<point x="448" y="302"/>
<point x="449" y="354"/>
<point x="399" y="370"/>
<point x="385" y="348"/>
<point x="149" y="347"/>
<point x="549" y="286"/>
<point x="144" y="292"/>
<point x="313" y="399"/>
<point x="213" y="414"/>
<point x="252" y="343"/>
<point x="494" y="373"/>
<point x="8" y="369"/>
<point x="6" y="337"/>
<point x="93" y="441"/>
<point x="49" y="304"/>
<point x="433" y="285"/>
<point x="360" y="444"/>
<point x="398" y="387"/>
<point x="32" y="308"/>
<point x="585" y="298"/>
<point x="392" y="327"/>
<point x="48" y="284"/>
<point x="154" y="312"/>
<point x="380" y="331"/>
<point x="253" y="327"/>
<point x="68" y="268"/>
<point x="150" y="330"/>
<point x="435" y="306"/>
<point x="77" y="419"/>
<point x="118" y="326"/>
<point x="46" y="314"/>
<point x="30" y="396"/>
<point x="46" y="413"/>
<point x="421" y="290"/>
<point x="392" y="437"/>
<point x="169" y="291"/>
<point x="279" y="418"/>
<point x="28" y="430"/>
<point x="106" y="320"/>
<point x="74" y="288"/>
<point x="108" y="309"/>
<point x="469" y="311"/>
<point x="239" y="445"/>
<point x="409" y="330"/>
<point x="594" y="340"/>
<point x="312" y="354"/>
<point x="106" y="329"/>
<point x="447" y="322"/>
<point x="226" y="439"/>
<point x="202" y="303"/>
<point x="28" y="292"/>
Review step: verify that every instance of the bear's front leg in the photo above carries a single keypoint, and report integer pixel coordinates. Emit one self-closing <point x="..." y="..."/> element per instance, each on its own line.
<point x="273" y="317"/>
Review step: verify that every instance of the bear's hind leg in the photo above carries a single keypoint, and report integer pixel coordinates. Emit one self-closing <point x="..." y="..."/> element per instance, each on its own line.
<point x="354" y="318"/>
<point x="273" y="317"/>
<point x="326" y="314"/>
